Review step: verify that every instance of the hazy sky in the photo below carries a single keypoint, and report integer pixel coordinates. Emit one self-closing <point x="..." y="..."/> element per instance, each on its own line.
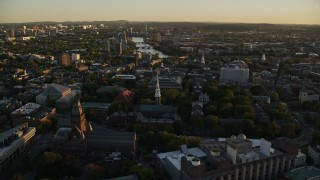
<point x="255" y="11"/>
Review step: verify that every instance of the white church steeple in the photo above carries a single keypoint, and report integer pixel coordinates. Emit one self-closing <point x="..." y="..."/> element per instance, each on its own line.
<point x="157" y="95"/>
<point x="202" y="59"/>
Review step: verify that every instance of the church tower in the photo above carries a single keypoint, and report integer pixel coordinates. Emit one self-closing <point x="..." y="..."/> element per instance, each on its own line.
<point x="78" y="116"/>
<point x="157" y="95"/>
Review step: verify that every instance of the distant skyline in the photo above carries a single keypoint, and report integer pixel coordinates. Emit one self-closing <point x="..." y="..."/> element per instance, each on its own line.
<point x="238" y="11"/>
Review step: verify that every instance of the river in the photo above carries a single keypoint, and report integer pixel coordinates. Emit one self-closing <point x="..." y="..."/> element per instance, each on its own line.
<point x="143" y="47"/>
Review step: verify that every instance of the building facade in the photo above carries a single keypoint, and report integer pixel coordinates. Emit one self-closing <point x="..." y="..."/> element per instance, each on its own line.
<point x="307" y="96"/>
<point x="236" y="71"/>
<point x="314" y="153"/>
<point x="13" y="143"/>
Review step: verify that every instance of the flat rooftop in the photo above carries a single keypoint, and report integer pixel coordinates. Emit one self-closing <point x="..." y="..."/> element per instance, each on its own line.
<point x="95" y="105"/>
<point x="27" y="109"/>
<point x="304" y="173"/>
<point x="255" y="142"/>
<point x="175" y="156"/>
<point x="15" y="142"/>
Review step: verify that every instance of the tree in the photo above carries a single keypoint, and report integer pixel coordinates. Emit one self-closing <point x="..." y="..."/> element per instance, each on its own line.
<point x="142" y="172"/>
<point x="169" y="97"/>
<point x="226" y="110"/>
<point x="241" y="100"/>
<point x="210" y="121"/>
<point x="210" y="110"/>
<point x="274" y="96"/>
<point x="258" y="90"/>
<point x="51" y="158"/>
<point x="210" y="87"/>
<point x="146" y="101"/>
<point x="316" y="137"/>
<point x="273" y="130"/>
<point x="282" y="106"/>
<point x="17" y="177"/>
<point x="288" y="130"/>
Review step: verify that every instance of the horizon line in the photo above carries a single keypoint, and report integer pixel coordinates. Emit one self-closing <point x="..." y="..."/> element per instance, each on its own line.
<point x="141" y="21"/>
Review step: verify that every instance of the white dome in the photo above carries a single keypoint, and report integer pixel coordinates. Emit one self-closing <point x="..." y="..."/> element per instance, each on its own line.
<point x="242" y="137"/>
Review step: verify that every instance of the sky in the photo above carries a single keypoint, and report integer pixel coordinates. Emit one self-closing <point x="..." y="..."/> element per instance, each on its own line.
<point x="244" y="11"/>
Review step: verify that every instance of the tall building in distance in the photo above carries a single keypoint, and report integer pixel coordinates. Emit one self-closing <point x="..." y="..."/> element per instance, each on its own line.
<point x="12" y="33"/>
<point x="108" y="46"/>
<point x="146" y="30"/>
<point x="65" y="59"/>
<point x="263" y="58"/>
<point x="157" y="95"/>
<point x="236" y="71"/>
<point x="24" y="28"/>
<point x="124" y="45"/>
<point x="119" y="47"/>
<point x="157" y="37"/>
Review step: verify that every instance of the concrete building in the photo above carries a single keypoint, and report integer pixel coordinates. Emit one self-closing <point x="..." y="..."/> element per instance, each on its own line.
<point x="233" y="158"/>
<point x="314" y="153"/>
<point x="65" y="59"/>
<point x="236" y="71"/>
<point x="13" y="143"/>
<point x="300" y="160"/>
<point x="171" y="161"/>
